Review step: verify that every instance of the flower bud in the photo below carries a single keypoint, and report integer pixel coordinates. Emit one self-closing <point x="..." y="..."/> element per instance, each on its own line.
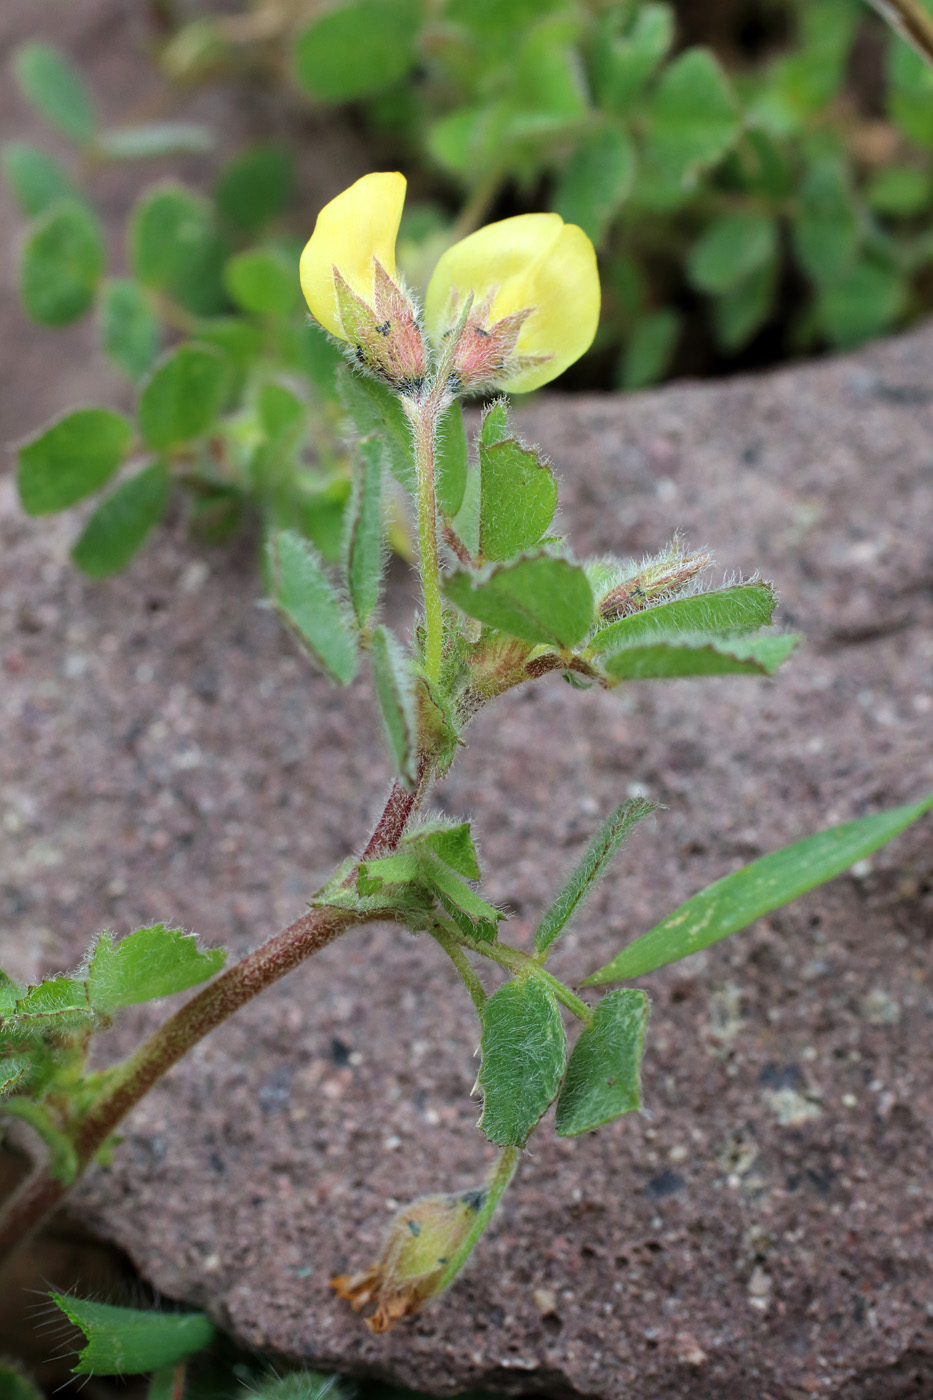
<point x="385" y="336"/>
<point x="350" y="282"/>
<point x="656" y="580"/>
<point x="419" y="1244"/>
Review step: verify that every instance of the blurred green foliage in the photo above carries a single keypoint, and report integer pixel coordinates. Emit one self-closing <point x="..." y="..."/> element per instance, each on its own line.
<point x="235" y="396"/>
<point x="763" y="194"/>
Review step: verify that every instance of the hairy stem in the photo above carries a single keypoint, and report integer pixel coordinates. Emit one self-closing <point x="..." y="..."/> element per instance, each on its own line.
<point x="130" y="1081"/>
<point x="517" y="961"/>
<point x="401" y="806"/>
<point x="496" y="1185"/>
<point x="460" y="961"/>
<point x="424" y="417"/>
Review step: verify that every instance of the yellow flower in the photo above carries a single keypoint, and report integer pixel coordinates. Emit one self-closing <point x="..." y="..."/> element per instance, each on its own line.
<point x="533" y="280"/>
<point x="535" y="264"/>
<point x="353" y="232"/>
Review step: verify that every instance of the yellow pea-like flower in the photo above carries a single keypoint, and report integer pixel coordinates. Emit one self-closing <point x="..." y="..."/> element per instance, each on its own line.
<point x="533" y="280"/>
<point x="535" y="264"/>
<point x="353" y="232"/>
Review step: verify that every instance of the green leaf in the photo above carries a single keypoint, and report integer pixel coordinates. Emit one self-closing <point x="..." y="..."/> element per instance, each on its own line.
<point x="453" y="844"/>
<point x="539" y="599"/>
<point x="596" y="181"/>
<point x="766" y="168"/>
<point x="72" y="459"/>
<point x="315" y="354"/>
<point x="240" y="340"/>
<point x="320" y="516"/>
<point x="373" y="408"/>
<point x="659" y="189"/>
<point x="130" y="1341"/>
<point x="524" y="1047"/>
<point x="730" y="249"/>
<point x="741" y="608"/>
<point x="263" y="281"/>
<point x="121" y="522"/>
<point x="863" y="302"/>
<point x="14" y="1069"/>
<point x="692" y="119"/>
<point x="278" y="409"/>
<point x="603" y="1078"/>
<point x="473" y="916"/>
<point x="466" y="522"/>
<point x="394" y="686"/>
<point x="825" y="229"/>
<point x="307" y="602"/>
<point x="10" y="992"/>
<point x="518" y="497"/>
<point x="650" y="349"/>
<point x="737" y="900"/>
<point x="796" y="86"/>
<point x="400" y="868"/>
<point x="37" y="179"/>
<point x="356" y="50"/>
<point x="901" y="191"/>
<point x="910" y="93"/>
<point x="600" y="851"/>
<point x="622" y="66"/>
<point x="363" y="549"/>
<point x="152" y="962"/>
<point x="183" y="397"/>
<point x="130" y="331"/>
<point x="58" y="1004"/>
<point x="256" y="186"/>
<point x="61" y="264"/>
<point x="546" y="85"/>
<point x="451" y="460"/>
<point x="495" y="23"/>
<point x="151" y="140"/>
<point x="495" y="424"/>
<point x="698" y="655"/>
<point x="174" y="247"/>
<point x="739" y="313"/>
<point x="55" y="87"/>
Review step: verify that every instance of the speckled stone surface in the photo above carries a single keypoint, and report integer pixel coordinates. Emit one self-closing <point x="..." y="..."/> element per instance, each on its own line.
<point x="763" y="1230"/>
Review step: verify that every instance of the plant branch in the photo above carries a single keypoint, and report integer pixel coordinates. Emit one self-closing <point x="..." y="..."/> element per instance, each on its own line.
<point x="495" y="1188"/>
<point x="517" y="961"/>
<point x="127" y="1083"/>
<point x="399" y="809"/>
<point x="424" y="416"/>
<point x="453" y="950"/>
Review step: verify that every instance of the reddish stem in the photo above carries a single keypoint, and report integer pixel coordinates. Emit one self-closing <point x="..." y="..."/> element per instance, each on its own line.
<point x="25" y="1210"/>
<point x="395" y="817"/>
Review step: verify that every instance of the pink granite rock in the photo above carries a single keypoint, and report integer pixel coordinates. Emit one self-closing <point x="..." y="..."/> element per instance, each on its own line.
<point x="763" y="1230"/>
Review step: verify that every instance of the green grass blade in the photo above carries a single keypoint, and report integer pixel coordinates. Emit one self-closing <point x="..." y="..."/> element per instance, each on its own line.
<point x="737" y="900"/>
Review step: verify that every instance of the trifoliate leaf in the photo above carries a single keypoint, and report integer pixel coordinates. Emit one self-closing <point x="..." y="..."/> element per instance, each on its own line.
<point x="603" y="1078"/>
<point x="523" y="1047"/>
<point x="152" y="962"/>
